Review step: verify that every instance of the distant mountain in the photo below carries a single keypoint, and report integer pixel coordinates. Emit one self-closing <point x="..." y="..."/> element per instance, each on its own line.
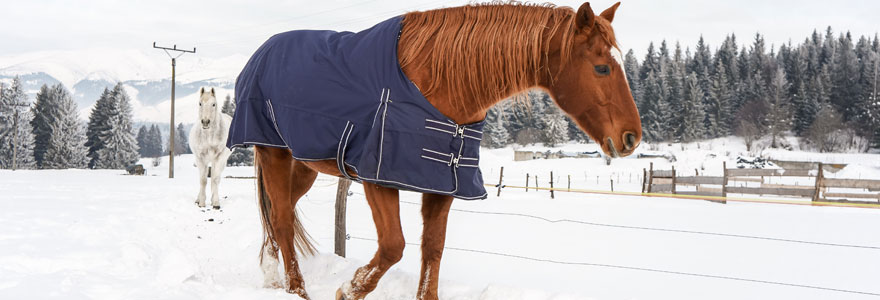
<point x="146" y="75"/>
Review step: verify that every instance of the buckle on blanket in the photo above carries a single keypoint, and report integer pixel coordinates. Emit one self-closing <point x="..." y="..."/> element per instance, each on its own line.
<point x="454" y="160"/>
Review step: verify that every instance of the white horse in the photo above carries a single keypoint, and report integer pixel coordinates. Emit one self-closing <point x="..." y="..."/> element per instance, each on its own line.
<point x="208" y="142"/>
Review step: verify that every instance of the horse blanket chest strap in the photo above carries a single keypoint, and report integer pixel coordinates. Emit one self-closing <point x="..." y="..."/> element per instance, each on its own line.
<point x="342" y="95"/>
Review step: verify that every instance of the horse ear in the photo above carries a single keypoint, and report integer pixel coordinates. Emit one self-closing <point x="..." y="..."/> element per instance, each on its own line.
<point x="585" y="17"/>
<point x="203" y="91"/>
<point x="608" y="14"/>
<point x="212" y="91"/>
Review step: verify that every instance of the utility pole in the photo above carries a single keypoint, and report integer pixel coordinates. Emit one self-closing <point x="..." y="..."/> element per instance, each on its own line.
<point x="173" y="64"/>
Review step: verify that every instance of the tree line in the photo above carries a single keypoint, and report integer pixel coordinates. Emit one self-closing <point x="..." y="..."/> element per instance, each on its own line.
<point x="48" y="134"/>
<point x="823" y="90"/>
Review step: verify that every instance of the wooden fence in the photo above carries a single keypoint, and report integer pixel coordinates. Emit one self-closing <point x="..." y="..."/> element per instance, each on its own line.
<point x="668" y="181"/>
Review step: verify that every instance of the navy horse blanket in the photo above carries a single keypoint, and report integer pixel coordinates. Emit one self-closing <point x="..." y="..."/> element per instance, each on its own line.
<point x="342" y="95"/>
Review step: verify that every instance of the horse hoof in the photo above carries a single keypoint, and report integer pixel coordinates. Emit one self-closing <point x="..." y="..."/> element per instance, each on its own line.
<point x="216" y="207"/>
<point x="339" y="295"/>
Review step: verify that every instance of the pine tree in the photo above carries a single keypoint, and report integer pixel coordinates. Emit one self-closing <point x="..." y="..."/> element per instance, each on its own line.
<point x="45" y="112"/>
<point x="16" y="135"/>
<point x="496" y="136"/>
<point x="691" y="127"/>
<point x="228" y="106"/>
<point x="143" y="148"/>
<point x="98" y="124"/>
<point x="118" y="145"/>
<point x="720" y="97"/>
<point x="181" y="143"/>
<point x="778" y="114"/>
<point x="67" y="140"/>
<point x="556" y="131"/>
<point x="154" y="140"/>
<point x="845" y="77"/>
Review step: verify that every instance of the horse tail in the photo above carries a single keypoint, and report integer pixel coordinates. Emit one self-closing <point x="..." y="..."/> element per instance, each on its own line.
<point x="303" y="242"/>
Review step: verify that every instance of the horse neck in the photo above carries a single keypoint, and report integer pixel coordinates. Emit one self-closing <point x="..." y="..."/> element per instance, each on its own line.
<point x="465" y="81"/>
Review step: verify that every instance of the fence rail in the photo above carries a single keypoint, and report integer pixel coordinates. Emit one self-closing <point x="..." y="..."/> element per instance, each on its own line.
<point x="666" y="181"/>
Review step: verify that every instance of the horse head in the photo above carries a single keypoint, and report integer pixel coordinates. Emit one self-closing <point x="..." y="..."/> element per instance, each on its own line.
<point x="591" y="86"/>
<point x="208" y="112"/>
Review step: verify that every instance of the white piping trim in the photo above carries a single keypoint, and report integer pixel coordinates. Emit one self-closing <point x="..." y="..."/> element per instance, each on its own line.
<point x="438" y="153"/>
<point x="275" y="122"/>
<point x="245" y="144"/>
<point x="382" y="137"/>
<point x="378" y="108"/>
<point x="474" y="130"/>
<point x="434" y="159"/>
<point x="471" y="166"/>
<point x="467" y="136"/>
<point x="469" y="158"/>
<point x="438" y="122"/>
<point x="440" y="130"/>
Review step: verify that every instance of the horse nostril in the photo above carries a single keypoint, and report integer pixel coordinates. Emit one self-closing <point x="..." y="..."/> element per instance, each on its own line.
<point x="629" y="140"/>
<point x="206" y="122"/>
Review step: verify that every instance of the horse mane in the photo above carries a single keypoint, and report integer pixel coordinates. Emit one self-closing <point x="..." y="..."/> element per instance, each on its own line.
<point x="487" y="52"/>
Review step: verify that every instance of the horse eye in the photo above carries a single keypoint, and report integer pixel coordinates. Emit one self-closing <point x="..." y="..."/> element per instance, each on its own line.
<point x="603" y="70"/>
<point x="200" y="104"/>
<point x="215" y="104"/>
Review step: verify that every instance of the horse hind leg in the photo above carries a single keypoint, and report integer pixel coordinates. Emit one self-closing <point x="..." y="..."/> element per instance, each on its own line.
<point x="386" y="214"/>
<point x="282" y="181"/>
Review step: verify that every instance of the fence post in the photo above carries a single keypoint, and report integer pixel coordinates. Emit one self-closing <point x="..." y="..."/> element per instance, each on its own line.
<point x="673" y="180"/>
<point x="341" y="199"/>
<point x="819" y="183"/>
<point x="527" y="182"/>
<point x="612" y="185"/>
<point x="569" y="183"/>
<point x="724" y="185"/>
<point x="500" y="177"/>
<point x="651" y="180"/>
<point x="644" y="179"/>
<point x="551" y="186"/>
<point x="536" y="182"/>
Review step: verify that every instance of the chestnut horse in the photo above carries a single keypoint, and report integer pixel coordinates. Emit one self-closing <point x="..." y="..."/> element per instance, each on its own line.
<point x="465" y="60"/>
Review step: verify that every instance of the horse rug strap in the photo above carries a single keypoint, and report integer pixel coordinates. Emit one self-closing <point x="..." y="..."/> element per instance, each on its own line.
<point x="342" y="95"/>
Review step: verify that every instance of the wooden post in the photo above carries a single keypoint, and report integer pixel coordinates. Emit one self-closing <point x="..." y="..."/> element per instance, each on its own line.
<point x="724" y="185"/>
<point x="569" y="183"/>
<point x="819" y="183"/>
<point x="551" y="186"/>
<point x="500" y="177"/>
<point x="536" y="182"/>
<point x="527" y="182"/>
<point x="673" y="179"/>
<point x="644" y="179"/>
<point x="650" y="173"/>
<point x="341" y="199"/>
<point x="612" y="185"/>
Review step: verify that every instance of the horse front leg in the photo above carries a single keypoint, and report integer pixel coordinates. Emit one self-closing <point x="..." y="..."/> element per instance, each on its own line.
<point x="386" y="214"/>
<point x="216" y="173"/>
<point x="435" y="212"/>
<point x="203" y="181"/>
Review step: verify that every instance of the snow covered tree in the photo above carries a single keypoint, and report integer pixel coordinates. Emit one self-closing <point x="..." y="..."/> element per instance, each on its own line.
<point x="556" y="131"/>
<point x="228" y="106"/>
<point x="111" y="120"/>
<point x="66" y="145"/>
<point x="496" y="136"/>
<point x="154" y="140"/>
<point x="45" y="112"/>
<point x="691" y="127"/>
<point x="778" y="113"/>
<point x="120" y="147"/>
<point x="181" y="143"/>
<point x="718" y="108"/>
<point x="98" y="124"/>
<point x="16" y="135"/>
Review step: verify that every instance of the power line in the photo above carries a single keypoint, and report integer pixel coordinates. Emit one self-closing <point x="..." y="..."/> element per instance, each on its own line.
<point x="589" y="264"/>
<point x="171" y="125"/>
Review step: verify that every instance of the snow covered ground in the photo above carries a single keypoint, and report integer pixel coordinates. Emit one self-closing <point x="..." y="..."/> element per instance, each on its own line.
<point x="99" y="234"/>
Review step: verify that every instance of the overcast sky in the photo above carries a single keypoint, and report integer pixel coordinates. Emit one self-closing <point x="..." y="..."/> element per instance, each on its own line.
<point x="224" y="27"/>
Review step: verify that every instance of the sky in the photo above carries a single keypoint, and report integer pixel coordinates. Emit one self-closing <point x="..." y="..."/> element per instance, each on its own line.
<point x="220" y="28"/>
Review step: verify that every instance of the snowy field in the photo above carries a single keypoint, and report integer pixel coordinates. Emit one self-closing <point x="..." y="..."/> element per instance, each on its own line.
<point x="99" y="234"/>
